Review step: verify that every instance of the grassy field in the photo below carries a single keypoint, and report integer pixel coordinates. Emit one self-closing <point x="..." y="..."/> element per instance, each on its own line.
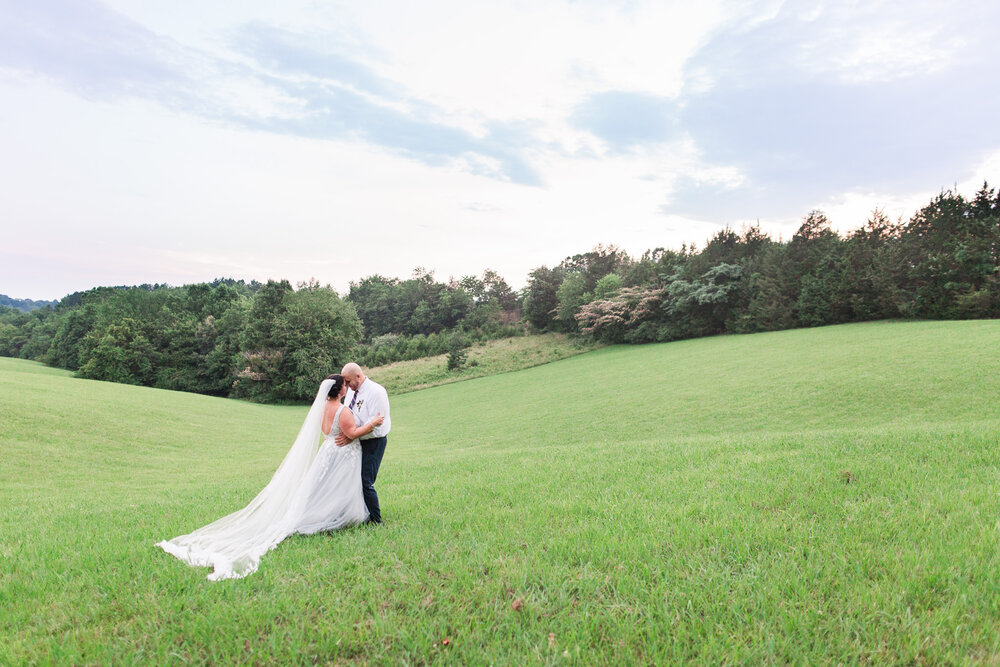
<point x="815" y="496"/>
<point x="490" y="358"/>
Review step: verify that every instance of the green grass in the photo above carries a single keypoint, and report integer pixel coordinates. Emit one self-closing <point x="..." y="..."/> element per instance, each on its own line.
<point x="489" y="358"/>
<point x="812" y="496"/>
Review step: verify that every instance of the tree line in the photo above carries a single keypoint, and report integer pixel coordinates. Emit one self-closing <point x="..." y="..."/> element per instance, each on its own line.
<point x="941" y="264"/>
<point x="272" y="342"/>
<point x="266" y="342"/>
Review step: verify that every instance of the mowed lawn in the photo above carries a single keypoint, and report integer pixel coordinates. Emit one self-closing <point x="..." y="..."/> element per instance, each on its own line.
<point x="828" y="495"/>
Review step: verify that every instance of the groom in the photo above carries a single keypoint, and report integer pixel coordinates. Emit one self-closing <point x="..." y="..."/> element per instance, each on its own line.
<point x="366" y="399"/>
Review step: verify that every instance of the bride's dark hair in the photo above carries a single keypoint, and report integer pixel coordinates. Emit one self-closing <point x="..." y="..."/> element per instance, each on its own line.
<point x="338" y="382"/>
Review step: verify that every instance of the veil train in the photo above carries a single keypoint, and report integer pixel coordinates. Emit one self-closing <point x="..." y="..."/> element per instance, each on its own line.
<point x="234" y="544"/>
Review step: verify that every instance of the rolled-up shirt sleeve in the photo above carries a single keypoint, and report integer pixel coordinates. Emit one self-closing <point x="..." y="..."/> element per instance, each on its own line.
<point x="380" y="405"/>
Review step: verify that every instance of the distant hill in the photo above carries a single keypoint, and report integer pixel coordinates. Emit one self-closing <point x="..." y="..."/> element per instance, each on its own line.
<point x="24" y="305"/>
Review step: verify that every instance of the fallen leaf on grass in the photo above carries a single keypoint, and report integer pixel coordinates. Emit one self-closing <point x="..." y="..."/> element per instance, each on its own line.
<point x="517" y="605"/>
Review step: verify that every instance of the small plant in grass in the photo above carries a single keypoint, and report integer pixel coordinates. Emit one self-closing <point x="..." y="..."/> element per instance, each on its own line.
<point x="458" y="351"/>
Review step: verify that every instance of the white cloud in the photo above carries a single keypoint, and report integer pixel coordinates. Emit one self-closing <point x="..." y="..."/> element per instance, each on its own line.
<point x="878" y="40"/>
<point x="510" y="61"/>
<point x="181" y="200"/>
<point x="137" y="189"/>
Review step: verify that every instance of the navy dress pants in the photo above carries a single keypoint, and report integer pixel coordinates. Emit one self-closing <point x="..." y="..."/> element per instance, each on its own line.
<point x="372" y="450"/>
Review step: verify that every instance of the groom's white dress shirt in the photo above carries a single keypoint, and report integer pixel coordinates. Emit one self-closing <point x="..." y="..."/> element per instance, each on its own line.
<point x="372" y="400"/>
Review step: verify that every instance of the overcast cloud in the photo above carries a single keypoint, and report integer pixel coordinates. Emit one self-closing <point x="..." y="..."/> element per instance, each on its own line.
<point x="179" y="142"/>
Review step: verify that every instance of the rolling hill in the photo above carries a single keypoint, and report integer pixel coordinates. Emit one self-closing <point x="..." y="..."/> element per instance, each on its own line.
<point x="822" y="495"/>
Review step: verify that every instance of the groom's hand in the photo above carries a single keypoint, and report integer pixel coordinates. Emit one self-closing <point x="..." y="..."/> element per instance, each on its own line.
<point x="341" y="440"/>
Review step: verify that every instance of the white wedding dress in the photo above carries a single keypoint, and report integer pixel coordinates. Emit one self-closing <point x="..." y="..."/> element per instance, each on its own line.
<point x="316" y="488"/>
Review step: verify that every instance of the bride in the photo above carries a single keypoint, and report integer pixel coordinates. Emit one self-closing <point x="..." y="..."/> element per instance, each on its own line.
<point x="313" y="490"/>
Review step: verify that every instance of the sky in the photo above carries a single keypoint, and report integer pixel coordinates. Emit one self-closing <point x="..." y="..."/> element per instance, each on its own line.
<point x="176" y="142"/>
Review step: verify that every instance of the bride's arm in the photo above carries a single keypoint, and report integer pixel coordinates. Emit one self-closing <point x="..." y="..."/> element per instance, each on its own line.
<point x="352" y="432"/>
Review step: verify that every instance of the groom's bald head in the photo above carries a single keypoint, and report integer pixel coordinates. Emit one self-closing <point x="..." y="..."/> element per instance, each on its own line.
<point x="353" y="375"/>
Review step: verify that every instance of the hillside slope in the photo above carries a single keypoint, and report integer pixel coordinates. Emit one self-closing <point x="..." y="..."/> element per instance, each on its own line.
<point x="824" y="495"/>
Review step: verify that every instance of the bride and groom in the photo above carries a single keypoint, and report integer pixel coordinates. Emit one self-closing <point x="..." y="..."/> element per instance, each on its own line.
<point x="313" y="490"/>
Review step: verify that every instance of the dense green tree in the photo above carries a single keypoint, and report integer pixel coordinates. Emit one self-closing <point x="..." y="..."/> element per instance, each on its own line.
<point x="35" y="333"/>
<point x="700" y="307"/>
<point x="422" y="319"/>
<point x="819" y="302"/>
<point x="871" y="276"/>
<point x="293" y="339"/>
<point x="596" y="264"/>
<point x="67" y="343"/>
<point x="421" y="305"/>
<point x="221" y="336"/>
<point x="949" y="248"/>
<point x="540" y="301"/>
<point x="497" y="289"/>
<point x="267" y="305"/>
<point x="572" y="294"/>
<point x="779" y="273"/>
<point x="377" y="303"/>
<point x="772" y="295"/>
<point x="607" y="286"/>
<point x="454" y="306"/>
<point x="120" y="353"/>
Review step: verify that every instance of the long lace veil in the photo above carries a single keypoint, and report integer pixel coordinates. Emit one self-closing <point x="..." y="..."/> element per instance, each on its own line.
<point x="234" y="544"/>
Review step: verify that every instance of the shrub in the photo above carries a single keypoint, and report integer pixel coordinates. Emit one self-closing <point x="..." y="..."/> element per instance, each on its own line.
<point x="458" y="351"/>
